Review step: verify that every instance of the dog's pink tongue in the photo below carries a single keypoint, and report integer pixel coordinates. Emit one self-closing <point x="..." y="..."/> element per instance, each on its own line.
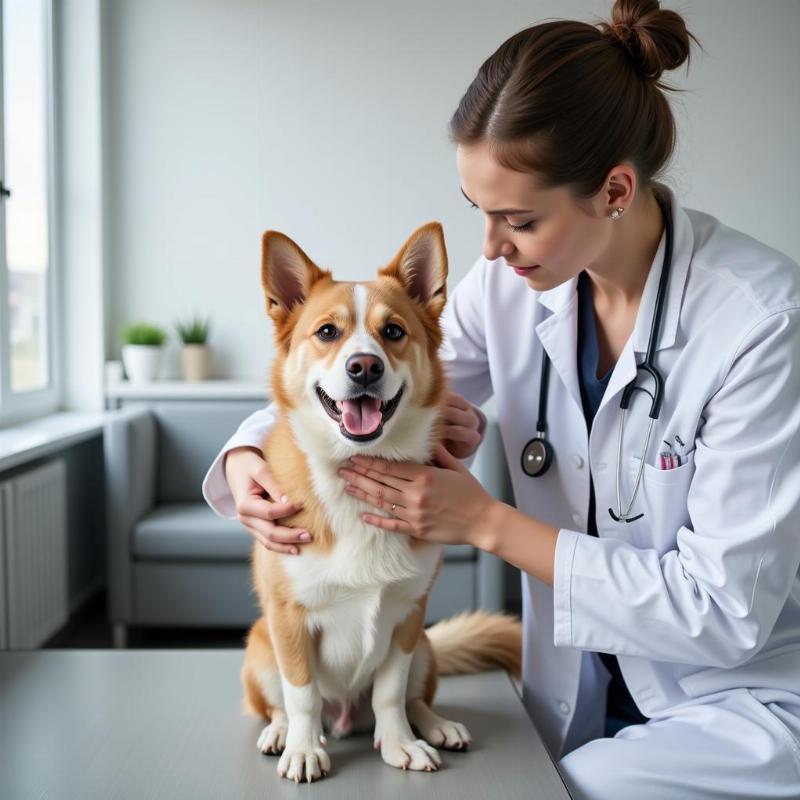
<point x="361" y="416"/>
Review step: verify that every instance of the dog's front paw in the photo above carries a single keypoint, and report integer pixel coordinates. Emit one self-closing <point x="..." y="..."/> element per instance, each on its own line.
<point x="309" y="762"/>
<point x="409" y="753"/>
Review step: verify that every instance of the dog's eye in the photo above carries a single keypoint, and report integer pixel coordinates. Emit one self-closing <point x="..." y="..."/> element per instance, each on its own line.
<point x="393" y="332"/>
<point x="328" y="332"/>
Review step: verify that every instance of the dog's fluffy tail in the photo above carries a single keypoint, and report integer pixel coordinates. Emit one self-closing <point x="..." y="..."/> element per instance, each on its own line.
<point x="477" y="641"/>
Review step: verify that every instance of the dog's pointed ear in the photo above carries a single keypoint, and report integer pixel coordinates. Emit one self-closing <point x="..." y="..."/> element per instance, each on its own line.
<point x="421" y="267"/>
<point x="287" y="274"/>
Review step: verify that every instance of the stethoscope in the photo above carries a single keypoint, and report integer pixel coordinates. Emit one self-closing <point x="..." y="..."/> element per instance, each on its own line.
<point x="538" y="453"/>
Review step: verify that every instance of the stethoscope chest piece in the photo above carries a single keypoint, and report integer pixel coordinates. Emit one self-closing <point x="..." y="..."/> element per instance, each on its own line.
<point x="537" y="457"/>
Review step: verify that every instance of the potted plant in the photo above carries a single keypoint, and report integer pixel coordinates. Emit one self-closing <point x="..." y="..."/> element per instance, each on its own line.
<point x="141" y="351"/>
<point x="194" y="354"/>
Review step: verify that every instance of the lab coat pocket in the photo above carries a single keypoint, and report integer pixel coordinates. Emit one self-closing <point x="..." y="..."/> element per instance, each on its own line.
<point x="774" y="723"/>
<point x="662" y="497"/>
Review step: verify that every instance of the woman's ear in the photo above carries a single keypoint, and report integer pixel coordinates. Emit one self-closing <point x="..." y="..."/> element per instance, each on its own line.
<point x="421" y="267"/>
<point x="619" y="189"/>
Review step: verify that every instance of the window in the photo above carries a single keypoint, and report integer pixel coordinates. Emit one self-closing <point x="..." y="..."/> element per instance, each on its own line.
<point x="28" y="385"/>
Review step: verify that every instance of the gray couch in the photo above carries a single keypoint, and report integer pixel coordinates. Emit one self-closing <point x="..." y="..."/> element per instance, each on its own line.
<point x="174" y="562"/>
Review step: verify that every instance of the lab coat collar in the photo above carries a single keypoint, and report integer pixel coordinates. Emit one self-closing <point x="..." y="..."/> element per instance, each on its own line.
<point x="636" y="347"/>
<point x="682" y="245"/>
<point x="560" y="297"/>
<point x="558" y="332"/>
<point x="556" y="299"/>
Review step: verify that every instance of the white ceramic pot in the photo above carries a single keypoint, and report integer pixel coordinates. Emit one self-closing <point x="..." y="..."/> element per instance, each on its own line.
<point x="141" y="361"/>
<point x="194" y="359"/>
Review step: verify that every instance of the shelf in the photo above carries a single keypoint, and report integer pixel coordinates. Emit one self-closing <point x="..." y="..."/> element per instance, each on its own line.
<point x="189" y="390"/>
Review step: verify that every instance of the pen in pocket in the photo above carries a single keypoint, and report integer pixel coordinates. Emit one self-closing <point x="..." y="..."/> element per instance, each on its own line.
<point x="669" y="459"/>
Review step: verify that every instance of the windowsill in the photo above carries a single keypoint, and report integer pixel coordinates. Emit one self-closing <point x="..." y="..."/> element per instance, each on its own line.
<point x="47" y="434"/>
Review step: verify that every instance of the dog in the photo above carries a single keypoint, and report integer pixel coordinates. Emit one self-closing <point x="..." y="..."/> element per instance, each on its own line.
<point x="340" y="646"/>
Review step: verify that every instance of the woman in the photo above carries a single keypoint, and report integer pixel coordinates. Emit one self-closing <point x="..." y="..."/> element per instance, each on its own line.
<point x="662" y="650"/>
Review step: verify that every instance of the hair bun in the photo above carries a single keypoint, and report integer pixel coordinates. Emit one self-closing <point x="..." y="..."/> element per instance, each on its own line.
<point x="656" y="39"/>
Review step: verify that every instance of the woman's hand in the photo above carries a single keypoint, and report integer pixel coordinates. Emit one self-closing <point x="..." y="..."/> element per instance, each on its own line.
<point x="248" y="478"/>
<point x="461" y="426"/>
<point x="443" y="503"/>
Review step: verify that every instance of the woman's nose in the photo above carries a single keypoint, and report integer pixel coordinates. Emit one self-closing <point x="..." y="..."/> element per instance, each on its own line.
<point x="494" y="242"/>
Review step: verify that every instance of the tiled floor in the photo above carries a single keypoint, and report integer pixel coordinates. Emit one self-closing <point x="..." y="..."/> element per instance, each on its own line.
<point x="89" y="629"/>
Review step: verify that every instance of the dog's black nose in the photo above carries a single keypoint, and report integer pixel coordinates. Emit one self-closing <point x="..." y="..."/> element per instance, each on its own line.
<point x="364" y="368"/>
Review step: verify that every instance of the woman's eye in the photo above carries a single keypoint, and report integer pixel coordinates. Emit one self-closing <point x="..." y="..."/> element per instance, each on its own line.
<point x="328" y="332"/>
<point x="528" y="226"/>
<point x="393" y="332"/>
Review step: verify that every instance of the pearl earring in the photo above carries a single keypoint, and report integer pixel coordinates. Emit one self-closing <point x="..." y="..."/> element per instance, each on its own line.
<point x="616" y="213"/>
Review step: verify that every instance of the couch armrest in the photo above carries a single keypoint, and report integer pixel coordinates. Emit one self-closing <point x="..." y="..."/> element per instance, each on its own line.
<point x="491" y="587"/>
<point x="491" y="469"/>
<point x="129" y="445"/>
<point x="490" y="466"/>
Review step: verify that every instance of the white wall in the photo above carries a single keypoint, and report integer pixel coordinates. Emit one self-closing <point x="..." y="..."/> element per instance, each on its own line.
<point x="328" y="121"/>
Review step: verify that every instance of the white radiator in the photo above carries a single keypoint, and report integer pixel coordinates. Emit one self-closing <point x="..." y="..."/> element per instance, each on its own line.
<point x="34" y="521"/>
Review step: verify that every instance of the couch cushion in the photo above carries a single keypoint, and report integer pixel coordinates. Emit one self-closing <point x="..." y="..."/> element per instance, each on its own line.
<point x="193" y="532"/>
<point x="190" y="532"/>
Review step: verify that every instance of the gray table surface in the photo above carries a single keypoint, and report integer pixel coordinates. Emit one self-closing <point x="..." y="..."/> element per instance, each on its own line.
<point x="144" y="724"/>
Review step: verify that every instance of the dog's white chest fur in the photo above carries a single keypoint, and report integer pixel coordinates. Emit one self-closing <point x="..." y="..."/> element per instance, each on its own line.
<point x="358" y="593"/>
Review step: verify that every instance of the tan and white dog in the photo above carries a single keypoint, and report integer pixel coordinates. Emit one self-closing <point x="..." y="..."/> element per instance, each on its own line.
<point x="341" y="640"/>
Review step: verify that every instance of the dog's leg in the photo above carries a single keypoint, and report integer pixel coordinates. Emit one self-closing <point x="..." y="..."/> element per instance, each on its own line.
<point x="436" y="730"/>
<point x="303" y="757"/>
<point x="273" y="737"/>
<point x="263" y="694"/>
<point x="398" y="745"/>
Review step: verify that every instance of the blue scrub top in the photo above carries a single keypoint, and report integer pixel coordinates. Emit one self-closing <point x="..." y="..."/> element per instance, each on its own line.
<point x="620" y="703"/>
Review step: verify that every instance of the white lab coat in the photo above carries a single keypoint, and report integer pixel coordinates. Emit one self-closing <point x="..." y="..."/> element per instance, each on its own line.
<point x="700" y="599"/>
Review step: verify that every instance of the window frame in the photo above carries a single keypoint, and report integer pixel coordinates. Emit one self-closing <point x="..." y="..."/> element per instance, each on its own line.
<point x="31" y="403"/>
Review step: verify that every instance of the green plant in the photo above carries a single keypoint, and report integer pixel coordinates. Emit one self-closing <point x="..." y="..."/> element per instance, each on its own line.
<point x="143" y="333"/>
<point x="195" y="331"/>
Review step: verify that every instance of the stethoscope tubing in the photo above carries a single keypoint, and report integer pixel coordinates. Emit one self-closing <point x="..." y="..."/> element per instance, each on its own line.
<point x="538" y="453"/>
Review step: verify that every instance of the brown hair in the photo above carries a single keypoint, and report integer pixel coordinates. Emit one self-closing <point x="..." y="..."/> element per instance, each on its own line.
<point x="569" y="101"/>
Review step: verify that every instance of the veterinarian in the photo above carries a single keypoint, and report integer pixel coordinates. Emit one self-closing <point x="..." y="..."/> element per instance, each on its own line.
<point x="661" y="601"/>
